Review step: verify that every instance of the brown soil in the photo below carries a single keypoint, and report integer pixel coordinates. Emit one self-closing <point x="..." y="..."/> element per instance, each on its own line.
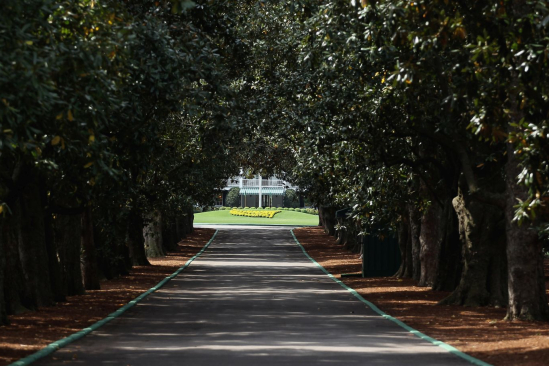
<point x="478" y="331"/>
<point x="31" y="331"/>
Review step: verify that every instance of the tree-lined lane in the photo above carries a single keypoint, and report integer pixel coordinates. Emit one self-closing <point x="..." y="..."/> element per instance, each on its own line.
<point x="252" y="298"/>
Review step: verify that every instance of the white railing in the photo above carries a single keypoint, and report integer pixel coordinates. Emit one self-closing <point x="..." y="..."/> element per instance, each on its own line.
<point x="271" y="182"/>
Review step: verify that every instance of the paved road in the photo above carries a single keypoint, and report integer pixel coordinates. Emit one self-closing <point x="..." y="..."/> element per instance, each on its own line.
<point x="252" y="298"/>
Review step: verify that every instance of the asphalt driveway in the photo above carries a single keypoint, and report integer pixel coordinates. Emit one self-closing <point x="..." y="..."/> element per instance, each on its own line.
<point x="252" y="298"/>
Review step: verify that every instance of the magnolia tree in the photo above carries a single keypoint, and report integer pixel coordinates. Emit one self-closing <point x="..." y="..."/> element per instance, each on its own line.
<point x="420" y="116"/>
<point x="112" y="115"/>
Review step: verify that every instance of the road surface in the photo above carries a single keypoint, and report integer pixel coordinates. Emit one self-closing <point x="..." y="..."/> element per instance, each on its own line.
<point x="252" y="298"/>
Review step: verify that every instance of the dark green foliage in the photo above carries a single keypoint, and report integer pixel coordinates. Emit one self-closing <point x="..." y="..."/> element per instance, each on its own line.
<point x="388" y="107"/>
<point x="233" y="197"/>
<point x="291" y="198"/>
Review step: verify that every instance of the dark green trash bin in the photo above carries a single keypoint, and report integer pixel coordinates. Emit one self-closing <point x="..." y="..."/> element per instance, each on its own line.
<point x="381" y="257"/>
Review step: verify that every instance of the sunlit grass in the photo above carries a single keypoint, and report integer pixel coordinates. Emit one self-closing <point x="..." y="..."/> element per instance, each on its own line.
<point x="282" y="218"/>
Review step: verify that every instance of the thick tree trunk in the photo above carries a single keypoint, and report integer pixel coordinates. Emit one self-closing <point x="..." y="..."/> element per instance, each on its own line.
<point x="136" y="244"/>
<point x="328" y="219"/>
<point x="32" y="245"/>
<point x="169" y="240"/>
<point x="152" y="236"/>
<point x="111" y="245"/>
<point x="125" y="263"/>
<point x="481" y="228"/>
<point x="68" y="238"/>
<point x="190" y="220"/>
<point x="90" y="270"/>
<point x="181" y="232"/>
<point x="56" y="278"/>
<point x="405" y="243"/>
<point x="429" y="239"/>
<point x="527" y="296"/>
<point x="3" y="307"/>
<point x="16" y="290"/>
<point x="450" y="260"/>
<point x="415" y="232"/>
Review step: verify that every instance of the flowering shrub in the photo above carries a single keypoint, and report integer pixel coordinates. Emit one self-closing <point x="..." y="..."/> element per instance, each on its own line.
<point x="254" y="213"/>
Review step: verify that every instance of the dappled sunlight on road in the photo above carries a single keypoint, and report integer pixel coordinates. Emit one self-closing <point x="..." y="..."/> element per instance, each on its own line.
<point x="253" y="298"/>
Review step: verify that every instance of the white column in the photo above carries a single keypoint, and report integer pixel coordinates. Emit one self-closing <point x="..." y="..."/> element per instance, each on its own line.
<point x="260" y="181"/>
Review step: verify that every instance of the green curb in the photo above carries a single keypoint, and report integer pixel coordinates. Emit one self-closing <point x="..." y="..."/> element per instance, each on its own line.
<point x="52" y="347"/>
<point x="417" y="333"/>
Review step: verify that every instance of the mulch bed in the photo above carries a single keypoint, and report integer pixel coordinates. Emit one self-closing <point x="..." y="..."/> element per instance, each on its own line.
<point x="478" y="331"/>
<point x="31" y="331"/>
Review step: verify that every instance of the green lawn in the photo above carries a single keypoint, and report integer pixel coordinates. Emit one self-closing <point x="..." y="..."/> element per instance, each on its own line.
<point x="281" y="218"/>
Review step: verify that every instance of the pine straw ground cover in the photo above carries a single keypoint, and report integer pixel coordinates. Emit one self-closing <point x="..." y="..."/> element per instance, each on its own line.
<point x="478" y="331"/>
<point x="31" y="331"/>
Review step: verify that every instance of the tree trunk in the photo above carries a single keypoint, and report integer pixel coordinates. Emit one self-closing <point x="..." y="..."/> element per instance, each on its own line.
<point x="68" y="238"/>
<point x="152" y="236"/>
<point x="3" y="307"/>
<point x="181" y="232"/>
<point x="190" y="220"/>
<point x="481" y="228"/>
<point x="405" y="245"/>
<point x="429" y="245"/>
<point x="527" y="296"/>
<point x="90" y="270"/>
<point x="32" y="245"/>
<point x="169" y="240"/>
<point x="415" y="232"/>
<point x="56" y="278"/>
<point x="111" y="245"/>
<point x="136" y="244"/>
<point x="16" y="290"/>
<point x="327" y="219"/>
<point x="450" y="260"/>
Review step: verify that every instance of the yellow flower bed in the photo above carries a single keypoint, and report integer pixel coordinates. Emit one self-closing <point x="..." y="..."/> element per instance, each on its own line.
<point x="254" y="213"/>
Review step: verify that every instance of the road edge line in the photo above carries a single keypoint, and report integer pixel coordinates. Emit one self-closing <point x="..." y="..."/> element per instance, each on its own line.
<point x="417" y="333"/>
<point x="54" y="346"/>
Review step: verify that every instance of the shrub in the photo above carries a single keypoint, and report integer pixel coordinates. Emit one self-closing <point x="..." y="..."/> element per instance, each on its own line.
<point x="233" y="197"/>
<point x="292" y="209"/>
<point x="291" y="199"/>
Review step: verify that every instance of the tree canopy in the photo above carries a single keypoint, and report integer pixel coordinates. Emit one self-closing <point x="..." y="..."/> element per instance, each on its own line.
<point x="427" y="119"/>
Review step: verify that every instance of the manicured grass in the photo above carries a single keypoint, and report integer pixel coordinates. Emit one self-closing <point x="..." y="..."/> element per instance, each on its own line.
<point x="281" y="218"/>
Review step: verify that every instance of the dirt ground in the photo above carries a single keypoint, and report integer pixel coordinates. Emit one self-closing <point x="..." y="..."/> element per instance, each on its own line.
<point x="31" y="331"/>
<point x="478" y="331"/>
